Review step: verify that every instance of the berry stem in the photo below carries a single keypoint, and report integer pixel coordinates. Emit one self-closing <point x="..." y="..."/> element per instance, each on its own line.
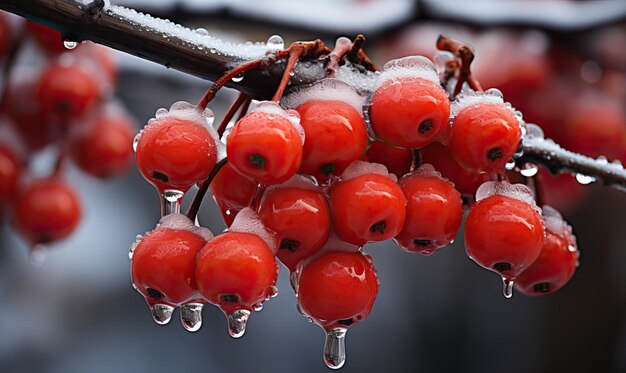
<point x="465" y="53"/>
<point x="357" y="54"/>
<point x="232" y="110"/>
<point x="295" y="51"/>
<point x="538" y="188"/>
<point x="192" y="212"/>
<point x="343" y="46"/>
<point x="230" y="74"/>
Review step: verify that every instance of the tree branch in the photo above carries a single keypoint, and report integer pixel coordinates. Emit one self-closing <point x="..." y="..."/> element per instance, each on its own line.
<point x="196" y="53"/>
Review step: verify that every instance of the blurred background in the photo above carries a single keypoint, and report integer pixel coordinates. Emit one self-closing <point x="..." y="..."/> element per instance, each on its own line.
<point x="562" y="63"/>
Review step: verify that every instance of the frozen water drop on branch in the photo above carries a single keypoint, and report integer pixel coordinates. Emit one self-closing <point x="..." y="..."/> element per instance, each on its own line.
<point x="237" y="322"/>
<point x="335" y="348"/>
<point x="69" y="44"/>
<point x="275" y="42"/>
<point x="585" y="179"/>
<point x="161" y="313"/>
<point x="191" y="316"/>
<point x="238" y="78"/>
<point x="529" y="169"/>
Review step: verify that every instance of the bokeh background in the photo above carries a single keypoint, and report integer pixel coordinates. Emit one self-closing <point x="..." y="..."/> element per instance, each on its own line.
<point x="562" y="63"/>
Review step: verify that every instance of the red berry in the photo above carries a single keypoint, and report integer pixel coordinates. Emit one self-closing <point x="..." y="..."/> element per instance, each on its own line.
<point x="338" y="289"/>
<point x="232" y="192"/>
<point x="398" y="161"/>
<point x="236" y="271"/>
<point x="175" y="152"/>
<point x="163" y="263"/>
<point x="103" y="57"/>
<point x="265" y="146"/>
<point x="335" y="137"/>
<point x="103" y="147"/>
<point x="10" y="172"/>
<point x="23" y="109"/>
<point x="369" y="207"/>
<point x="410" y="111"/>
<point x="553" y="268"/>
<point x="67" y="92"/>
<point x="503" y="234"/>
<point x="484" y="136"/>
<point x="433" y="212"/>
<point x="46" y="210"/>
<point x="465" y="181"/>
<point x="301" y="219"/>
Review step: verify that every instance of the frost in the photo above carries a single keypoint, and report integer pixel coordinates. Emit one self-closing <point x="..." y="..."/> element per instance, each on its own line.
<point x="183" y="223"/>
<point x="358" y="168"/>
<point x="517" y="191"/>
<point x="274" y="108"/>
<point x="247" y="221"/>
<point x="472" y="98"/>
<point x="409" y="67"/>
<point x="326" y="89"/>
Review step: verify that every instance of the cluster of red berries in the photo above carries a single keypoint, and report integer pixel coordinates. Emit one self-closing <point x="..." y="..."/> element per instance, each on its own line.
<point x="59" y="99"/>
<point x="314" y="178"/>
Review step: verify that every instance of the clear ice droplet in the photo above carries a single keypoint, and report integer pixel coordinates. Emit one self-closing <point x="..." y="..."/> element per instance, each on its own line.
<point x="161" y="313"/>
<point x="237" y="323"/>
<point x="69" y="44"/>
<point x="510" y="165"/>
<point x="38" y="255"/>
<point x="335" y="348"/>
<point x="191" y="316"/>
<point x="585" y="179"/>
<point x="507" y="287"/>
<point x="170" y="201"/>
<point x="273" y="291"/>
<point x="529" y="170"/>
<point x="258" y="307"/>
<point x="136" y="141"/>
<point x="275" y="42"/>
<point x="202" y="31"/>
<point x="237" y="78"/>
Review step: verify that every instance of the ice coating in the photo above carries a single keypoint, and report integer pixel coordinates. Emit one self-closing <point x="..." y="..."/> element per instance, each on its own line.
<point x="441" y="60"/>
<point x="409" y="67"/>
<point x="247" y="221"/>
<point x="296" y="181"/>
<point x="554" y="222"/>
<point x="427" y="170"/>
<point x="197" y="40"/>
<point x="182" y="222"/>
<point x="272" y="107"/>
<point x="517" y="191"/>
<point x="472" y="98"/>
<point x="326" y="89"/>
<point x="533" y="130"/>
<point x="358" y="168"/>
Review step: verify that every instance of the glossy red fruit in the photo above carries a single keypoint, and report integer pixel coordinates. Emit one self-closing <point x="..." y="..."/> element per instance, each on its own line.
<point x="484" y="137"/>
<point x="553" y="268"/>
<point x="232" y="192"/>
<point x="335" y="137"/>
<point x="66" y="93"/>
<point x="433" y="212"/>
<point x="236" y="271"/>
<point x="503" y="234"/>
<point x="301" y="220"/>
<point x="265" y="147"/>
<point x="338" y="289"/>
<point x="370" y="207"/>
<point x="10" y="172"/>
<point x="465" y="181"/>
<point x="175" y="153"/>
<point x="409" y="112"/>
<point x="24" y="111"/>
<point x="46" y="210"/>
<point x="398" y="161"/>
<point x="48" y="39"/>
<point x="103" y="148"/>
<point x="163" y="266"/>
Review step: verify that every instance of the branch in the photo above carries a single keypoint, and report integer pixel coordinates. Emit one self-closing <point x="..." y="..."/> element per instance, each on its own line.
<point x="201" y="55"/>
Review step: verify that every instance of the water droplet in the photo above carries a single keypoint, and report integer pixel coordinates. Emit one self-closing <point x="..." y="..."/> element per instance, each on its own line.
<point x="335" y="348"/>
<point x="237" y="78"/>
<point x="510" y="165"/>
<point x="602" y="159"/>
<point x="495" y="92"/>
<point x="275" y="42"/>
<point x="38" y="255"/>
<point x="132" y="248"/>
<point x="136" y="141"/>
<point x="534" y="131"/>
<point x="584" y="179"/>
<point x="507" y="287"/>
<point x="258" y="307"/>
<point x="161" y="313"/>
<point x="529" y="169"/>
<point x="202" y="31"/>
<point x="237" y="323"/>
<point x="212" y="50"/>
<point x="170" y="201"/>
<point x="69" y="44"/>
<point x="273" y="291"/>
<point x="191" y="316"/>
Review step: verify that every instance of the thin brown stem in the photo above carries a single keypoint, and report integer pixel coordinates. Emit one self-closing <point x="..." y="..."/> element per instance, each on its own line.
<point x="244" y="108"/>
<point x="232" y="110"/>
<point x="230" y="74"/>
<point x="538" y="187"/>
<point x="192" y="212"/>
<point x="343" y="46"/>
<point x="465" y="53"/>
<point x="295" y="51"/>
<point x="357" y="46"/>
